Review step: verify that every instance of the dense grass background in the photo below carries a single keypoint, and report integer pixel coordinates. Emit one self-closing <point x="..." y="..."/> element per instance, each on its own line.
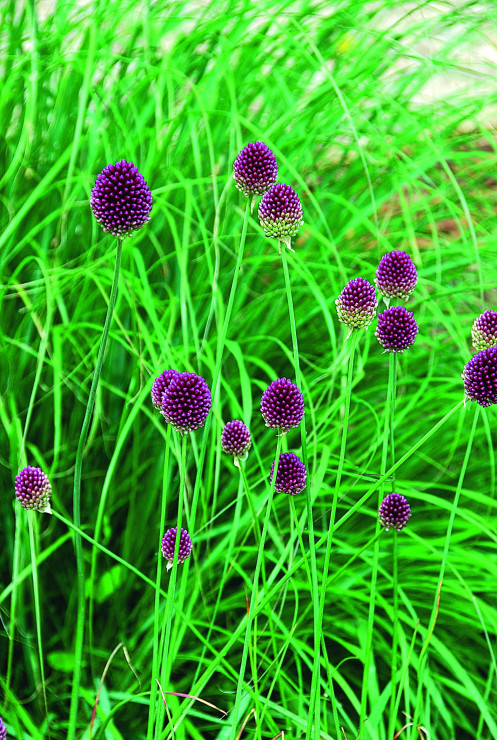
<point x="337" y="93"/>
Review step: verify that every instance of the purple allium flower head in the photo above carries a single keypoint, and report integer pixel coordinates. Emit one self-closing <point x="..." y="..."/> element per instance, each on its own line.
<point x="394" y="512"/>
<point x="397" y="329"/>
<point x="255" y="169"/>
<point x="291" y="475"/>
<point x="282" y="405"/>
<point x="3" y="730"/>
<point x="160" y="386"/>
<point x="168" y="542"/>
<point x="121" y="200"/>
<point x="396" y="275"/>
<point x="33" y="489"/>
<point x="484" y="330"/>
<point x="236" y="439"/>
<point x="357" y="304"/>
<point x="280" y="213"/>
<point x="186" y="402"/>
<point x="480" y="377"/>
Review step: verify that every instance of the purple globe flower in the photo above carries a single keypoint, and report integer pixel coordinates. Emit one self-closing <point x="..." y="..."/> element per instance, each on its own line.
<point x="3" y="730"/>
<point x="394" y="512"/>
<point x="282" y="405"/>
<point x="160" y="386"/>
<point x="33" y="489"/>
<point x="236" y="439"/>
<point x="356" y="304"/>
<point x="291" y="475"/>
<point x="480" y="377"/>
<point x="396" y="276"/>
<point x="280" y="213"/>
<point x="255" y="170"/>
<point x="397" y="329"/>
<point x="484" y="330"/>
<point x="186" y="402"/>
<point x="168" y="542"/>
<point x="121" y="200"/>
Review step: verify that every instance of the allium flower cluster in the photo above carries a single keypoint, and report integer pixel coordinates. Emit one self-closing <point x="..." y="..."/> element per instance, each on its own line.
<point x="480" y="377"/>
<point x="3" y="730"/>
<point x="280" y="213"/>
<point x="357" y="304"/>
<point x="168" y="543"/>
<point x="394" y="512"/>
<point x="160" y="386"/>
<point x="186" y="402"/>
<point x="397" y="329"/>
<point x="255" y="169"/>
<point x="236" y="439"/>
<point x="291" y="475"/>
<point x="282" y="405"/>
<point x="396" y="275"/>
<point x="121" y="200"/>
<point x="33" y="489"/>
<point x="484" y="330"/>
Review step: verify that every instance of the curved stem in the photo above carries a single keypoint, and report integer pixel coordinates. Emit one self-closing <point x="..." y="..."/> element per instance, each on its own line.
<point x="253" y="597"/>
<point x="78" y="545"/>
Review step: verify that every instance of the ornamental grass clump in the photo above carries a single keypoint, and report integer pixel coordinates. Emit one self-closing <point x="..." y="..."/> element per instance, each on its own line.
<point x="291" y="476"/>
<point x="480" y="377"/>
<point x="255" y="170"/>
<point x="394" y="512"/>
<point x="33" y="489"/>
<point x="280" y="213"/>
<point x="236" y="439"/>
<point x="484" y="331"/>
<point x="357" y="304"/>
<point x="397" y="329"/>
<point x="168" y="543"/>
<point x="396" y="276"/>
<point x="186" y="402"/>
<point x="121" y="200"/>
<point x="160" y="386"/>
<point x="282" y="405"/>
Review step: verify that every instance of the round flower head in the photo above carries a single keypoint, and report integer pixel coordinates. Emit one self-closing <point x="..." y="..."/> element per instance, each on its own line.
<point x="160" y="386"/>
<point x="255" y="170"/>
<point x="397" y="329"/>
<point x="33" y="489"/>
<point x="484" y="330"/>
<point x="236" y="440"/>
<point x="291" y="475"/>
<point x="121" y="200"/>
<point x="280" y="213"/>
<point x="396" y="276"/>
<point x="282" y="405"/>
<point x="356" y="304"/>
<point x="3" y="730"/>
<point x="168" y="543"/>
<point x="480" y="377"/>
<point x="186" y="402"/>
<point x="394" y="512"/>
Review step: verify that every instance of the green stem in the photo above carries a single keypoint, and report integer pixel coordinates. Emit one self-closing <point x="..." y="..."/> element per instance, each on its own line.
<point x="165" y="669"/>
<point x="155" y="655"/>
<point x="395" y="575"/>
<point x="253" y="597"/>
<point x="315" y="694"/>
<point x="78" y="545"/>
<point x="387" y="430"/>
<point x="33" y="540"/>
<point x="434" y="614"/>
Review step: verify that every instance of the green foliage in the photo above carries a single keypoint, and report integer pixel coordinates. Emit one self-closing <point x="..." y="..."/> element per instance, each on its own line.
<point x="341" y="96"/>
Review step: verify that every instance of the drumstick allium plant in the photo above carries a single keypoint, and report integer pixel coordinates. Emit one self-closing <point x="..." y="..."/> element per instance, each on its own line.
<point x="357" y="304"/>
<point x="280" y="213"/>
<point x="484" y="331"/>
<point x="396" y="276"/>
<point x="33" y="489"/>
<point x="121" y="203"/>
<point x="201" y="290"/>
